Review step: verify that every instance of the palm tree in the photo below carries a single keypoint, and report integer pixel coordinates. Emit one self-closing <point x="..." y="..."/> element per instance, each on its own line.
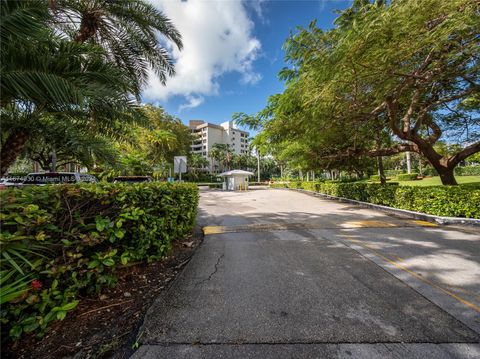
<point x="222" y="154"/>
<point x="88" y="80"/>
<point x="126" y="29"/>
<point x="196" y="162"/>
<point x="72" y="144"/>
<point x="65" y="80"/>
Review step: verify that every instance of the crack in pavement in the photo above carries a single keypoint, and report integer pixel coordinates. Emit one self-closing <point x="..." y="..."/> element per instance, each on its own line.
<point x="215" y="270"/>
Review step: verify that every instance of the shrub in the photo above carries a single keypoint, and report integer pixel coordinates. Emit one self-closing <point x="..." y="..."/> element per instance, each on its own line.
<point x="450" y="201"/>
<point x="296" y="184"/>
<point x="311" y="186"/>
<point x="467" y="171"/>
<point x="392" y="173"/>
<point x="279" y="185"/>
<point x="61" y="242"/>
<point x="407" y="177"/>
<point x="375" y="178"/>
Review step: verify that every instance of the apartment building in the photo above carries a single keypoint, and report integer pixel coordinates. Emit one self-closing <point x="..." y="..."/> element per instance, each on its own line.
<point x="208" y="134"/>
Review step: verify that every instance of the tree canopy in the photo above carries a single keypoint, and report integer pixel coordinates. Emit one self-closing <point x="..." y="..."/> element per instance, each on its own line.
<point x="388" y="78"/>
<point x="81" y="63"/>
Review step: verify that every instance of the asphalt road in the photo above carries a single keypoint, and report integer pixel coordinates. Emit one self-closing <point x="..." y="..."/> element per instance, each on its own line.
<point x="282" y="274"/>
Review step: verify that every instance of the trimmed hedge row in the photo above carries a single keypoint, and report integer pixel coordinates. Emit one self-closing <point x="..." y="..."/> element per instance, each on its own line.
<point x="449" y="201"/>
<point x="467" y="171"/>
<point x="407" y="177"/>
<point x="59" y="243"/>
<point x="399" y="177"/>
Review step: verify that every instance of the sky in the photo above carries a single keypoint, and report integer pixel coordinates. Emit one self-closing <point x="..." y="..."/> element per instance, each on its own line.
<point x="232" y="53"/>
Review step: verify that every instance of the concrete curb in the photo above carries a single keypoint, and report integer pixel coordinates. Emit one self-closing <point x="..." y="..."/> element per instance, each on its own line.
<point x="416" y="215"/>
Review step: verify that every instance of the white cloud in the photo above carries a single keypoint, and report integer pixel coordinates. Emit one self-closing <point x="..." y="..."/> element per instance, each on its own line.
<point x="217" y="38"/>
<point x="192" y="102"/>
<point x="257" y="6"/>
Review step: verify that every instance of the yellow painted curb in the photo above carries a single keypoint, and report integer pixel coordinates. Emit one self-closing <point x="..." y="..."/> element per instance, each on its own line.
<point x="265" y="227"/>
<point x="424" y="223"/>
<point x="369" y="224"/>
<point x="214" y="230"/>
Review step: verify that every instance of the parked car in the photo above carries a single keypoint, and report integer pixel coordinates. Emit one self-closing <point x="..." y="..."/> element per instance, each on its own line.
<point x="132" y="179"/>
<point x="44" y="178"/>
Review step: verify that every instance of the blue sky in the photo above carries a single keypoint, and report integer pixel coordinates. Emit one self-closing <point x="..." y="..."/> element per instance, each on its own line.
<point x="232" y="53"/>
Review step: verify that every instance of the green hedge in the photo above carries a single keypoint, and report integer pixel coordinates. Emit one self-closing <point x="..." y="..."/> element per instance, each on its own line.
<point x="407" y="177"/>
<point x="467" y="171"/>
<point x="59" y="243"/>
<point x="449" y="201"/>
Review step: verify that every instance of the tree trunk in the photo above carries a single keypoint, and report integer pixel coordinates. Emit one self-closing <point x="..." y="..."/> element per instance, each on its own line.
<point x="12" y="148"/>
<point x="54" y="161"/>
<point x="443" y="165"/>
<point x="409" y="162"/>
<point x="447" y="175"/>
<point x="381" y="172"/>
<point x="88" y="27"/>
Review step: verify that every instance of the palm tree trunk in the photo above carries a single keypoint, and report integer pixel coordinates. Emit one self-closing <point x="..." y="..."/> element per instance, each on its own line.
<point x="88" y="27"/>
<point x="12" y="148"/>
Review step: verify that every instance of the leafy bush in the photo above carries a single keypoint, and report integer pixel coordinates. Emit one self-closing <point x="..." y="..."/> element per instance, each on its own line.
<point x="392" y="173"/>
<point x="279" y="185"/>
<point x="296" y="184"/>
<point x="311" y="186"/>
<point x="450" y="201"/>
<point x="61" y="242"/>
<point x="467" y="171"/>
<point x="407" y="177"/>
<point x="375" y="178"/>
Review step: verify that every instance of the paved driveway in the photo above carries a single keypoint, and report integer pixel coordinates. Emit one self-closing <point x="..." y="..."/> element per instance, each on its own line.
<point x="282" y="274"/>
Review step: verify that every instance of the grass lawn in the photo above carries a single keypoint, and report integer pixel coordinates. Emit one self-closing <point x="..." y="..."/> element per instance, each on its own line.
<point x="435" y="181"/>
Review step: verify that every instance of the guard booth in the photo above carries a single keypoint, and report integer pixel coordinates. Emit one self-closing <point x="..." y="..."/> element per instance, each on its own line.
<point x="236" y="180"/>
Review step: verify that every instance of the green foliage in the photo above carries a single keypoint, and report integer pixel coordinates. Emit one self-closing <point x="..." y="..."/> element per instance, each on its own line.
<point x="128" y="29"/>
<point x="149" y="148"/>
<point x="279" y="185"/>
<point x="407" y="176"/>
<point x="79" y="64"/>
<point x="61" y="242"/>
<point x="390" y="77"/>
<point x="467" y="171"/>
<point x="450" y="201"/>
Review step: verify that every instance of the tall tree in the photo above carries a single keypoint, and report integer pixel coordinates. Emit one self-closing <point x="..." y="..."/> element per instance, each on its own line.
<point x="222" y="154"/>
<point x="388" y="79"/>
<point x="71" y="145"/>
<point x="112" y="46"/>
<point x="128" y="31"/>
<point x="53" y="77"/>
